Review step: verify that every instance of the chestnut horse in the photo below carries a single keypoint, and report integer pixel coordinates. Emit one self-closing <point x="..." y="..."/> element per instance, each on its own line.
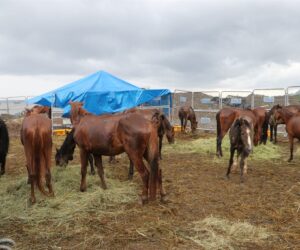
<point x="36" y="137"/>
<point x="226" y="116"/>
<point x="113" y="135"/>
<point x="241" y="139"/>
<point x="65" y="153"/>
<point x="274" y="122"/>
<point x="4" y="144"/>
<point x="186" y="113"/>
<point x="164" y="127"/>
<point x="292" y="125"/>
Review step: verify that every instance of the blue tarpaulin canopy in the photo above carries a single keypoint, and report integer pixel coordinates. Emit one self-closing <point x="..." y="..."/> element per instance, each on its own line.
<point x="101" y="93"/>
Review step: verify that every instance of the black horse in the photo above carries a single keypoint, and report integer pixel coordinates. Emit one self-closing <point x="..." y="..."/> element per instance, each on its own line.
<point x="66" y="151"/>
<point x="4" y="144"/>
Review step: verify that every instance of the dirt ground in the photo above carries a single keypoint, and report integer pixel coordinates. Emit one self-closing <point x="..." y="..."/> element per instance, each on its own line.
<point x="197" y="189"/>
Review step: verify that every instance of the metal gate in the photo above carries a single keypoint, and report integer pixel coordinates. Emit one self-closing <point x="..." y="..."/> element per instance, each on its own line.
<point x="206" y="104"/>
<point x="293" y="95"/>
<point x="239" y="99"/>
<point x="269" y="97"/>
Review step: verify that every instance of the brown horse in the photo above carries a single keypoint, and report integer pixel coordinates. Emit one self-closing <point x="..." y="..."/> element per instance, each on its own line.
<point x="292" y="125"/>
<point x="274" y="122"/>
<point x="164" y="128"/>
<point x="113" y="135"/>
<point x="39" y="110"/>
<point x="226" y="116"/>
<point x="241" y="138"/>
<point x="186" y="113"/>
<point x="36" y="138"/>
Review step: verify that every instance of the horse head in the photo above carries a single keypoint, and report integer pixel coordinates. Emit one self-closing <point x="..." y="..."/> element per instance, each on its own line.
<point x="246" y="134"/>
<point x="168" y="128"/>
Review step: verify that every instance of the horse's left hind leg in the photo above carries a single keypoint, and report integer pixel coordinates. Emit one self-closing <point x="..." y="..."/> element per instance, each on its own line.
<point x="32" y="179"/>
<point x="99" y="165"/>
<point x="91" y="162"/>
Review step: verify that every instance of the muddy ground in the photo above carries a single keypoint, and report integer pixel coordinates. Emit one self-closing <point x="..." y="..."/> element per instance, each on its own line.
<point x="197" y="190"/>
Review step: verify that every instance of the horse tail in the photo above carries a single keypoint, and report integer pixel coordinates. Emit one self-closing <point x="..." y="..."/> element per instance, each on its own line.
<point x="39" y="161"/>
<point x="153" y="155"/>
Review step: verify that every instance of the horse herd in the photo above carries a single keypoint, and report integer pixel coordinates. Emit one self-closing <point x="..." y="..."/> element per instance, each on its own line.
<point x="138" y="133"/>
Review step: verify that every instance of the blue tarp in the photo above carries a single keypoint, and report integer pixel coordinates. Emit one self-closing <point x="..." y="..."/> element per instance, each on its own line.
<point x="101" y="93"/>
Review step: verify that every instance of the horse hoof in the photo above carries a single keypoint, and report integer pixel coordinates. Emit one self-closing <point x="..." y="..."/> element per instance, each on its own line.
<point x="2" y="172"/>
<point x="82" y="189"/>
<point x="32" y="200"/>
<point x="93" y="173"/>
<point x="103" y="186"/>
<point x="289" y="160"/>
<point x="130" y="177"/>
<point x="144" y="199"/>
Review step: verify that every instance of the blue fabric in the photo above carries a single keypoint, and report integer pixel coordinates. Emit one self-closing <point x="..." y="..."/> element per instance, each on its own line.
<point x="101" y="93"/>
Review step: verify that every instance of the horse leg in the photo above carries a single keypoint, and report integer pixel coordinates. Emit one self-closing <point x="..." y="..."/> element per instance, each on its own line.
<point x="271" y="132"/>
<point x="143" y="171"/>
<point x="181" y="122"/>
<point x="99" y="165"/>
<point x="48" y="182"/>
<point x="185" y="123"/>
<point x="131" y="170"/>
<point x="48" y="173"/>
<point x="32" y="178"/>
<point x="230" y="161"/>
<point x="291" y="141"/>
<point x="2" y="172"/>
<point x="84" y="163"/>
<point x="275" y="133"/>
<point x="242" y="163"/>
<point x="160" y="145"/>
<point x="160" y="186"/>
<point x="91" y="162"/>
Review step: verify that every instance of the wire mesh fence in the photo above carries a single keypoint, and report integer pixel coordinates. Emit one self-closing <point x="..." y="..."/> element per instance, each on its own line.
<point x="205" y="103"/>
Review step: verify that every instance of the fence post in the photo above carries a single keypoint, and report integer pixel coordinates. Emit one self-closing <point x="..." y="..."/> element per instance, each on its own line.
<point x="252" y="100"/>
<point x="193" y="99"/>
<point x="221" y="99"/>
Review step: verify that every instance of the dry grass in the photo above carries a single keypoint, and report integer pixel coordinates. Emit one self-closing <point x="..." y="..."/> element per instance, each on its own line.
<point x="218" y="233"/>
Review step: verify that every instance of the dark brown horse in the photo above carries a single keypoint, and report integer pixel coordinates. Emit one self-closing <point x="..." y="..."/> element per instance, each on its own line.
<point x="226" y="116"/>
<point x="186" y="113"/>
<point x="4" y="144"/>
<point x="275" y="122"/>
<point x="36" y="137"/>
<point x="241" y="140"/>
<point x="113" y="135"/>
<point x="292" y="125"/>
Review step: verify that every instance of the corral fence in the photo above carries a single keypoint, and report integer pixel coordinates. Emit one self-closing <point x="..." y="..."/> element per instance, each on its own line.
<point x="206" y="104"/>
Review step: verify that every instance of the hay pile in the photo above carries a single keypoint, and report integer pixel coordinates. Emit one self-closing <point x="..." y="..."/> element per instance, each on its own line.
<point x="69" y="209"/>
<point x="217" y="233"/>
<point x="14" y="126"/>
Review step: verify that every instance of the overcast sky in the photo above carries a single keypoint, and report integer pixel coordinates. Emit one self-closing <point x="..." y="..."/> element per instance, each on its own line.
<point x="194" y="45"/>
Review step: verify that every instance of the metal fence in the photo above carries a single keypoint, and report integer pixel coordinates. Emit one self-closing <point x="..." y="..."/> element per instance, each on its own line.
<point x="205" y="103"/>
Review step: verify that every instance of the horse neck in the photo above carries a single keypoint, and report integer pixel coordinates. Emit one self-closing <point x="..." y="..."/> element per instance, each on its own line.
<point x="286" y="115"/>
<point x="167" y="124"/>
<point x="69" y="144"/>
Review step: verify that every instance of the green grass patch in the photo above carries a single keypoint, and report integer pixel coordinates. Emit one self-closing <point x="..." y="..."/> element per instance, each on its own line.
<point x="208" y="146"/>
